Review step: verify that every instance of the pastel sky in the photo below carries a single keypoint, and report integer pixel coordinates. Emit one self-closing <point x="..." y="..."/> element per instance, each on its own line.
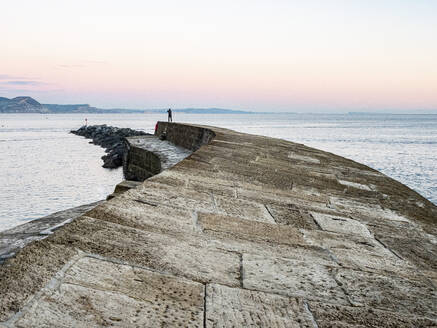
<point x="270" y="55"/>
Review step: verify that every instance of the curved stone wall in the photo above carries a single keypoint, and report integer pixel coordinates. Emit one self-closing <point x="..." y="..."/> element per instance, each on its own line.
<point x="188" y="136"/>
<point x="139" y="164"/>
<point x="147" y="156"/>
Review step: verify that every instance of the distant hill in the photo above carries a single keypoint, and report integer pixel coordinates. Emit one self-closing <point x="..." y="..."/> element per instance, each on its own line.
<point x="30" y="105"/>
<point x="83" y="108"/>
<point x="21" y="105"/>
<point x="79" y="108"/>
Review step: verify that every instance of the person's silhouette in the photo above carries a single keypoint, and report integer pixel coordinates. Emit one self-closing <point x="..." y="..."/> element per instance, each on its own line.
<point x="170" y="118"/>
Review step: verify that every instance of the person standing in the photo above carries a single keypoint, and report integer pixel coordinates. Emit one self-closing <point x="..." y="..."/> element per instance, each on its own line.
<point x="170" y="118"/>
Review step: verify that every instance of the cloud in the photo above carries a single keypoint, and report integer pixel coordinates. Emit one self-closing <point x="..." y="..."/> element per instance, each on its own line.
<point x="95" y="61"/>
<point x="83" y="63"/>
<point x="10" y="77"/>
<point x="22" y="82"/>
<point x="12" y="85"/>
<point x="71" y="66"/>
<point x="17" y="92"/>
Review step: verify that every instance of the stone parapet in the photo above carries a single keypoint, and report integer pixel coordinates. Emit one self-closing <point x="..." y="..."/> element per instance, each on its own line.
<point x="187" y="136"/>
<point x="147" y="156"/>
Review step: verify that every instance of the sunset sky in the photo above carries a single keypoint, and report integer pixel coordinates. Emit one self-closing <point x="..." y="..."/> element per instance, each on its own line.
<point x="277" y="55"/>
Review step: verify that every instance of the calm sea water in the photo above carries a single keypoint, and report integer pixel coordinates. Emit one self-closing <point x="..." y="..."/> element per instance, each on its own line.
<point x="44" y="169"/>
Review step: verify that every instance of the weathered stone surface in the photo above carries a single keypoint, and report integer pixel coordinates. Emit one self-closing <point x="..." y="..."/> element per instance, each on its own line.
<point x="95" y="292"/>
<point x="305" y="279"/>
<point x="247" y="229"/>
<point x="186" y="257"/>
<point x="366" y="207"/>
<point x="359" y="252"/>
<point x="330" y="316"/>
<point x="235" y="307"/>
<point x="146" y="216"/>
<point x="22" y="276"/>
<point x="12" y="240"/>
<point x="291" y="215"/>
<point x="229" y="227"/>
<point x="419" y="251"/>
<point x="243" y="208"/>
<point x="389" y="292"/>
<point x="340" y="224"/>
<point x="155" y="193"/>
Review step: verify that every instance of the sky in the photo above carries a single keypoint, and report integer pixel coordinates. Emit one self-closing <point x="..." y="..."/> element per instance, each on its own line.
<point x="270" y="55"/>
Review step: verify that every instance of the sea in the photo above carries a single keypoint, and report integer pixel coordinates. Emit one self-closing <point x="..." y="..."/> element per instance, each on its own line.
<point x="44" y="168"/>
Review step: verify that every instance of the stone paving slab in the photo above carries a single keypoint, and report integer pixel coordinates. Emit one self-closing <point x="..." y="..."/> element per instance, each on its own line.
<point x="250" y="230"/>
<point x="305" y="279"/>
<point x="161" y="194"/>
<point x="353" y="242"/>
<point x="370" y="209"/>
<point x="146" y="216"/>
<point x="389" y="292"/>
<point x="420" y="252"/>
<point x="22" y="276"/>
<point x="293" y="198"/>
<point x="165" y="253"/>
<point x="266" y="249"/>
<point x="235" y="307"/>
<point x="291" y="215"/>
<point x="329" y="316"/>
<point x="95" y="292"/>
<point x="392" y="228"/>
<point x="365" y="261"/>
<point x="210" y="187"/>
<point x="243" y="208"/>
<point x="340" y="224"/>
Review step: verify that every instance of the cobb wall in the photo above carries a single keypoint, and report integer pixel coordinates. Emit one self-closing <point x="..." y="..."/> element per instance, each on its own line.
<point x="141" y="161"/>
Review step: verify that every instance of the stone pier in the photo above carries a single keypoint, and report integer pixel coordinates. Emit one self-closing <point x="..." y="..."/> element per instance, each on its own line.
<point x="247" y="231"/>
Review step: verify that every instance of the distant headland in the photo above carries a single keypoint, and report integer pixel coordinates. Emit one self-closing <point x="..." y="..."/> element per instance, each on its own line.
<point x="26" y="104"/>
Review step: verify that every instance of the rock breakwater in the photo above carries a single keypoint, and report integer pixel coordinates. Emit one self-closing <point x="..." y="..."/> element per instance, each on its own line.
<point x="110" y="138"/>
